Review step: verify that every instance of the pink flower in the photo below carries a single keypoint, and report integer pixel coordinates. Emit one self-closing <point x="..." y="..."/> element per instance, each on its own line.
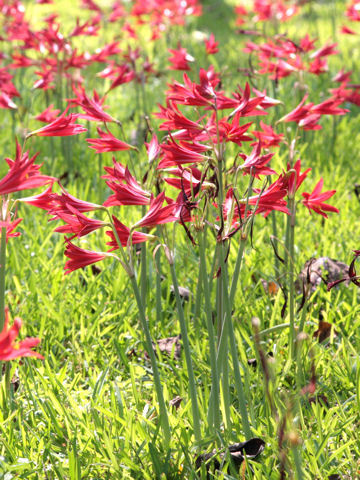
<point x="123" y="233"/>
<point x="211" y="46"/>
<point x="62" y="126"/>
<point x="180" y="59"/>
<point x="158" y="214"/>
<point x="10" y="227"/>
<point x="129" y="193"/>
<point x="80" y="258"/>
<point x="9" y="349"/>
<point x="48" y="115"/>
<point x="77" y="223"/>
<point x="315" y="200"/>
<point x="23" y="174"/>
<point x="107" y="143"/>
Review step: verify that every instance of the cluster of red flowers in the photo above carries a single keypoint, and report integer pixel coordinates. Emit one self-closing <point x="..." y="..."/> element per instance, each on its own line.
<point x="52" y="52"/>
<point x="281" y="57"/>
<point x="265" y="10"/>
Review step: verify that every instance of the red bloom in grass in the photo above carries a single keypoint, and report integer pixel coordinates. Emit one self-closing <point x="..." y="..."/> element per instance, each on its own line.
<point x="298" y="113"/>
<point x="127" y="194"/>
<point x="176" y="120"/>
<point x="9" y="349"/>
<point x="190" y="93"/>
<point x="233" y="132"/>
<point x="347" y="30"/>
<point x="115" y="173"/>
<point x="188" y="180"/>
<point x="6" y="102"/>
<point x="77" y="223"/>
<point x="123" y="75"/>
<point x="57" y="204"/>
<point x="329" y="107"/>
<point x="10" y="227"/>
<point x="43" y="200"/>
<point x="325" y="51"/>
<point x="315" y="200"/>
<point x="178" y="154"/>
<point x="62" y="126"/>
<point x="211" y="46"/>
<point x="23" y="174"/>
<point x="255" y="163"/>
<point x="80" y="258"/>
<point x="93" y="108"/>
<point x="153" y="149"/>
<point x="293" y="178"/>
<point x="180" y="59"/>
<point x="267" y="136"/>
<point x="48" y="115"/>
<point x="270" y="199"/>
<point x="107" y="143"/>
<point x="123" y="233"/>
<point x="158" y="214"/>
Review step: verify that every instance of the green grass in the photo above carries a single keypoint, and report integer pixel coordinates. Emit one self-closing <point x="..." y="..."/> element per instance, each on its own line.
<point x="89" y="411"/>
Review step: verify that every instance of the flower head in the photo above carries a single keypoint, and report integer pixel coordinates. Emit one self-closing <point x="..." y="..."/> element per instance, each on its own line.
<point x="9" y="349"/>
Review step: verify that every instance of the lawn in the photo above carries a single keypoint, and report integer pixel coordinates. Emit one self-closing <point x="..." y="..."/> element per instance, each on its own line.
<point x="188" y="248"/>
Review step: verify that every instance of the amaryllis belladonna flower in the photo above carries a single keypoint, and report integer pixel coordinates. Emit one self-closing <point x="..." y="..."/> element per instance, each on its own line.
<point x="62" y="126"/>
<point x="9" y="349"/>
<point x="315" y="200"/>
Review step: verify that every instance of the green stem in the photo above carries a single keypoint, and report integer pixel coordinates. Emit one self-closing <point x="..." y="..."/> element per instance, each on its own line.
<point x="164" y="420"/>
<point x="214" y="411"/>
<point x="297" y="461"/>
<point x="2" y="277"/>
<point x="158" y="284"/>
<point x="150" y="351"/>
<point x="234" y="354"/>
<point x="291" y="249"/>
<point x="185" y="340"/>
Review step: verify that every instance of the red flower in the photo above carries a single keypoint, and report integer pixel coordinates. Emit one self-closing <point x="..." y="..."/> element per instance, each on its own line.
<point x="267" y="136"/>
<point x="153" y="149"/>
<point x="9" y="349"/>
<point x="180" y="59"/>
<point x="48" y="115"/>
<point x="127" y="194"/>
<point x="77" y="223"/>
<point x="94" y="111"/>
<point x="123" y="233"/>
<point x="255" y="163"/>
<point x="211" y="46"/>
<point x="10" y="227"/>
<point x="80" y="258"/>
<point x="179" y="154"/>
<point x="23" y="173"/>
<point x="107" y="143"/>
<point x="158" y="214"/>
<point x="315" y="200"/>
<point x="62" y="126"/>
